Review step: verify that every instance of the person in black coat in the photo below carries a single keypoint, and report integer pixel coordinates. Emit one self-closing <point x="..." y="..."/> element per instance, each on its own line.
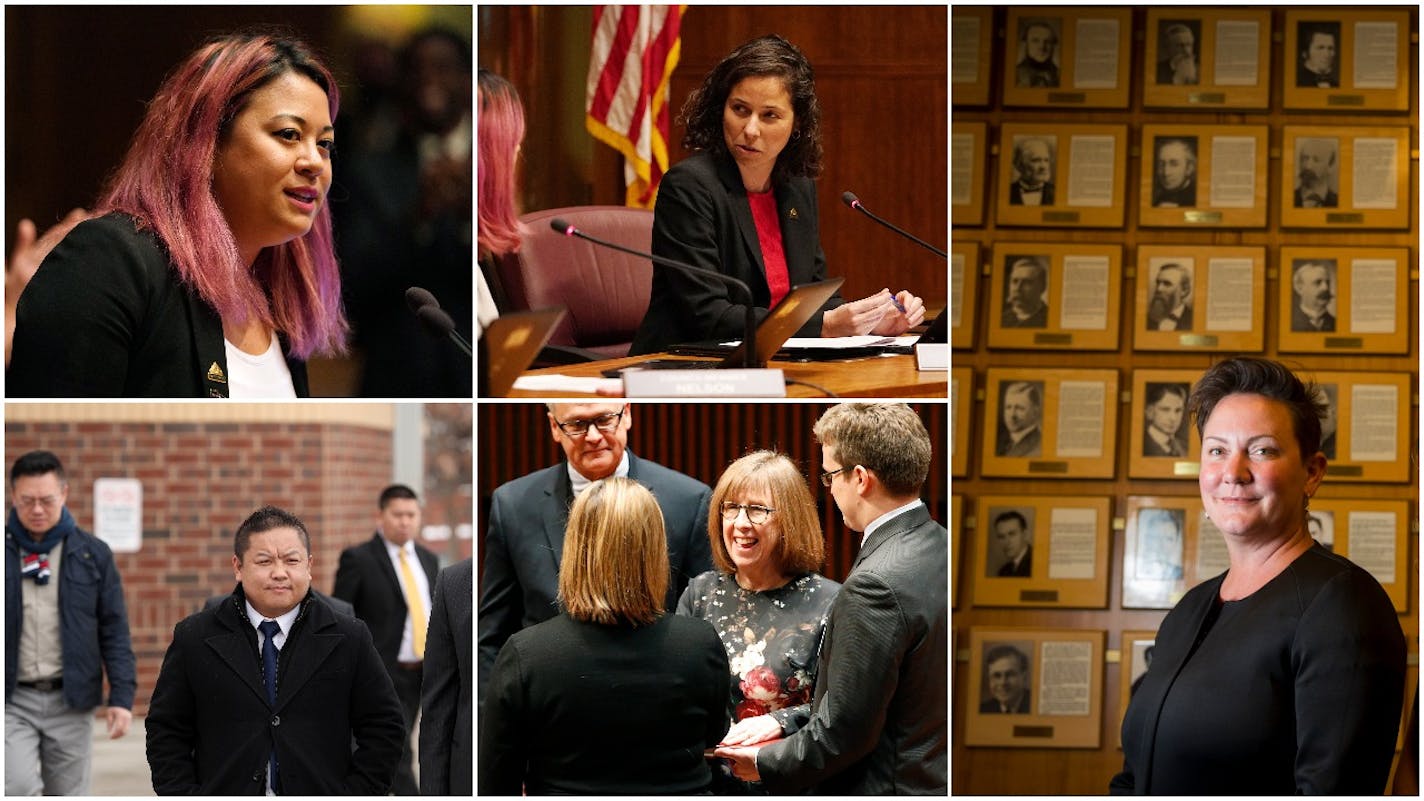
<point x="745" y="206"/>
<point x="209" y="271"/>
<point x="371" y="578"/>
<point x="334" y="727"/>
<point x="615" y="696"/>
<point x="447" y="699"/>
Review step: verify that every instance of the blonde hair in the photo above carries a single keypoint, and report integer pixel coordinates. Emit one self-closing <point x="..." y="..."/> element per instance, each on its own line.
<point x="615" y="564"/>
<point x="887" y="438"/>
<point x="801" y="547"/>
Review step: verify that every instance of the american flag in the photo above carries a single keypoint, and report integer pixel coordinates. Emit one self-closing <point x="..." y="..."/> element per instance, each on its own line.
<point x="635" y="49"/>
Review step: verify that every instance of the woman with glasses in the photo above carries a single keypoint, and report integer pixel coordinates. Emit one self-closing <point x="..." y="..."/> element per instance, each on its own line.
<point x="765" y="599"/>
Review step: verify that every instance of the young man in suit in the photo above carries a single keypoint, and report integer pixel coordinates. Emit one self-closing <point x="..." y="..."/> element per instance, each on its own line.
<point x="447" y="696"/>
<point x="272" y="692"/>
<point x="387" y="579"/>
<point x="525" y="539"/>
<point x="879" y="718"/>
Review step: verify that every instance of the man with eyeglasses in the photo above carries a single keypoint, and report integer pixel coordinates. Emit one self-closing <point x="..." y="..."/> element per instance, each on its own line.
<point x="525" y="537"/>
<point x="879" y="715"/>
<point x="57" y="641"/>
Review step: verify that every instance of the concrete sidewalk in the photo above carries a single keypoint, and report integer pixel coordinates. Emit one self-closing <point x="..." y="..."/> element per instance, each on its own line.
<point x="120" y="766"/>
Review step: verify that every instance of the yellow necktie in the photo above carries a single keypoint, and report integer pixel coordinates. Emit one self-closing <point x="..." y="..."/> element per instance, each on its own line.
<point x="415" y="604"/>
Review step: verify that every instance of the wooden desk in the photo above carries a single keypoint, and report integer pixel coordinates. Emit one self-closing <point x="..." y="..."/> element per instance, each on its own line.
<point x="878" y="377"/>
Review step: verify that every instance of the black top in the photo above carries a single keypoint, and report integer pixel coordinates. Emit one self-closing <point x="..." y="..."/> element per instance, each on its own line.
<point x="583" y="708"/>
<point x="703" y="218"/>
<point x="107" y="316"/>
<point x="1296" y="688"/>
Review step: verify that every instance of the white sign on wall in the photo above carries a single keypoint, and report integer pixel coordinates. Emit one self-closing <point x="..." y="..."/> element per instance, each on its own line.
<point x="118" y="513"/>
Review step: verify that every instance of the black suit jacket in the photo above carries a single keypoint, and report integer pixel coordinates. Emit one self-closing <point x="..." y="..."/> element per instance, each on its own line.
<point x="210" y="729"/>
<point x="1300" y="322"/>
<point x="703" y="218"/>
<point x="879" y="720"/>
<point x="1024" y="569"/>
<point x="107" y="316"/>
<point x="525" y="542"/>
<point x="447" y="696"/>
<point x="366" y="578"/>
<point x="1016" y="194"/>
<point x="584" y="708"/>
<point x="1332" y="200"/>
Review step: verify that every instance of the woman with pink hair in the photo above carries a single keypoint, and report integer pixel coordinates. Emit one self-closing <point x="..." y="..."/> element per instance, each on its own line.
<point x="208" y="269"/>
<point x="501" y="131"/>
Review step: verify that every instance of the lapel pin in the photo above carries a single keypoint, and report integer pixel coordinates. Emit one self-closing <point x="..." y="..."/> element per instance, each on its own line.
<point x="793" y="213"/>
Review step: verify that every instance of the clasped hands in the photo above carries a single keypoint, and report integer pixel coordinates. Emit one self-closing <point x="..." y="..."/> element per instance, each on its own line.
<point x="740" y="744"/>
<point x="877" y="314"/>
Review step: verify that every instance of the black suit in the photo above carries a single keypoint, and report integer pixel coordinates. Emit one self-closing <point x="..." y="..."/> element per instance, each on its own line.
<point x="525" y="542"/>
<point x="447" y="694"/>
<point x="879" y="720"/>
<point x="1330" y="201"/>
<point x="107" y="316"/>
<point x="210" y="729"/>
<point x="1024" y="568"/>
<point x="1300" y="321"/>
<point x="584" y="708"/>
<point x="366" y="578"/>
<point x="1016" y="194"/>
<point x="992" y="707"/>
<point x="703" y="218"/>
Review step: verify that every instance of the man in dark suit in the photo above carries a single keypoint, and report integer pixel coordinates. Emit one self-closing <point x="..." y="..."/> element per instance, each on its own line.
<point x="1006" y="671"/>
<point x="1312" y="289"/>
<point x="879" y="715"/>
<point x="447" y="696"/>
<point x="1015" y="542"/>
<point x="387" y="579"/>
<point x="272" y="691"/>
<point x="1316" y="158"/>
<point x="525" y="540"/>
<point x="1033" y="168"/>
<point x="1171" y="306"/>
<point x="1019" y="433"/>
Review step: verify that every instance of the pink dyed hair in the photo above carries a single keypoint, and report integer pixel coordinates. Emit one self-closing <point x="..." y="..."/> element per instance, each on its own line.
<point x="501" y="131"/>
<point x="165" y="183"/>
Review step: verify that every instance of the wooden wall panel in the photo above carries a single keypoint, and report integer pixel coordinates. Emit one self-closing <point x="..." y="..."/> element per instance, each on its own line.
<point x="699" y="440"/>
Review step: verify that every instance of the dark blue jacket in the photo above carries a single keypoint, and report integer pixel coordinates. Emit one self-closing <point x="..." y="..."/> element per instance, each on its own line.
<point x="93" y="623"/>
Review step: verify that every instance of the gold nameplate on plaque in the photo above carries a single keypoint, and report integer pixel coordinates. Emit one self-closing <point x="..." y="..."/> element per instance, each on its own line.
<point x="1201" y="217"/>
<point x="1345" y="100"/>
<point x="1206" y="97"/>
<point x="1351" y="470"/>
<point x="1060" y="216"/>
<point x="1344" y="342"/>
<point x="1048" y="467"/>
<point x="1345" y="218"/>
<point x="1197" y="340"/>
<point x="1067" y="97"/>
<point x="1033" y="731"/>
<point x="1053" y="339"/>
<point x="1039" y="596"/>
<point x="1186" y="468"/>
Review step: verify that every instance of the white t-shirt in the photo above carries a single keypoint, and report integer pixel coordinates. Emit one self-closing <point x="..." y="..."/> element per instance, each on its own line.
<point x="264" y="376"/>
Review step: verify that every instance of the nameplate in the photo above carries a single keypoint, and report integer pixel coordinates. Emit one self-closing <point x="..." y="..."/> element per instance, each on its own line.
<point x="1345" y="100"/>
<point x="1053" y="339"/>
<point x="1038" y="596"/>
<point x="764" y="383"/>
<point x="1048" y="467"/>
<point x="1061" y="216"/>
<point x="1186" y="468"/>
<point x="1197" y="340"/>
<point x="1202" y="217"/>
<point x="931" y="356"/>
<point x="1206" y="97"/>
<point x="1345" y="218"/>
<point x="1033" y="731"/>
<point x="1067" y="97"/>
<point x="1345" y="342"/>
<point x="1351" y="470"/>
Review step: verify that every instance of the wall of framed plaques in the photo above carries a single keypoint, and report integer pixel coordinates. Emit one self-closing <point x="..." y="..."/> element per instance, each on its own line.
<point x="1136" y="194"/>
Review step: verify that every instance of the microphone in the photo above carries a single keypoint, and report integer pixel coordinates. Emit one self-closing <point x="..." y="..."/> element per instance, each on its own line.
<point x="436" y="321"/>
<point x="853" y="202"/>
<point x="748" y="335"/>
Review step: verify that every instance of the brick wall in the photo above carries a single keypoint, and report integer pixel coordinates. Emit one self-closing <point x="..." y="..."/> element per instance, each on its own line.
<point x="199" y="481"/>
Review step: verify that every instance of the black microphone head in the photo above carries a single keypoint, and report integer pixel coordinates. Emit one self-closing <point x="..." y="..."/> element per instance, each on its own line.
<point x="417" y="298"/>
<point x="850" y="199"/>
<point x="562" y="226"/>
<point x="436" y="320"/>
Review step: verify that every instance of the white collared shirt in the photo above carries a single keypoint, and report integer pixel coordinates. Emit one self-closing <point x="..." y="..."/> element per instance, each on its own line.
<point x="285" y="620"/>
<point x="580" y="483"/>
<point x="880" y="521"/>
<point x="422" y="585"/>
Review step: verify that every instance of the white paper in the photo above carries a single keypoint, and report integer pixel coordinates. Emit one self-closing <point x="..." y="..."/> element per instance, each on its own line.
<point x="1237" y="50"/>
<point x="1374" y="422"/>
<point x="843" y="343"/>
<point x="964" y="50"/>
<point x="1084" y="293"/>
<point x="1072" y="540"/>
<point x="1229" y="292"/>
<point x="118" y="513"/>
<point x="1065" y="678"/>
<point x="567" y="383"/>
<point x="1372" y="540"/>
<point x="1376" y="45"/>
<point x="1373" y="174"/>
<point x="1090" y="170"/>
<point x="1372" y="294"/>
<point x="1233" y="172"/>
<point x="1095" y="55"/>
<point x="1081" y="409"/>
<point x="961" y="163"/>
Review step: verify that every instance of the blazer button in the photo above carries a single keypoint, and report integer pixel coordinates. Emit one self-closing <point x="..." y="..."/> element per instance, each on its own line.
<point x="276" y="720"/>
<point x="257" y="775"/>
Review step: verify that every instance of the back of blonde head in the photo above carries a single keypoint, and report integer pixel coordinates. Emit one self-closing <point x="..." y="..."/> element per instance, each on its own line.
<point x="615" y="564"/>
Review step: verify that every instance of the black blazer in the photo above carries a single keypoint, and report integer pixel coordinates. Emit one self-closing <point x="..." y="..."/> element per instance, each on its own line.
<point x="107" y="316"/>
<point x="447" y="697"/>
<point x="210" y="728"/>
<point x="584" y="708"/>
<point x="366" y="578"/>
<point x="879" y="719"/>
<point x="703" y="218"/>
<point x="525" y="541"/>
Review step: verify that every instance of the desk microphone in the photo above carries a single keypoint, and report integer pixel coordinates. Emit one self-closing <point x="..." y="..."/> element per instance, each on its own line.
<point x="436" y="321"/>
<point x="748" y="334"/>
<point x="853" y="202"/>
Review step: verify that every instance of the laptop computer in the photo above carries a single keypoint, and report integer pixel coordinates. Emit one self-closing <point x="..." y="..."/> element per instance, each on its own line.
<point x="779" y="325"/>
<point x="508" y="346"/>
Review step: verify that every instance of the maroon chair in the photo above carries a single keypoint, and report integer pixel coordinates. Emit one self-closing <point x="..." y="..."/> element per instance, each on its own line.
<point x="605" y="292"/>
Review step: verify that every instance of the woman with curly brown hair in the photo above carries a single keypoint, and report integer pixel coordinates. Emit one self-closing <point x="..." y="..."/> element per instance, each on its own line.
<point x="745" y="205"/>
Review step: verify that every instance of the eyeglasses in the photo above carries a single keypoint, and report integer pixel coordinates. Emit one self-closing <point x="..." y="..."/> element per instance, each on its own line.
<point x="48" y="501"/>
<point x="756" y="515"/>
<point x="828" y="475"/>
<point x="603" y="422"/>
